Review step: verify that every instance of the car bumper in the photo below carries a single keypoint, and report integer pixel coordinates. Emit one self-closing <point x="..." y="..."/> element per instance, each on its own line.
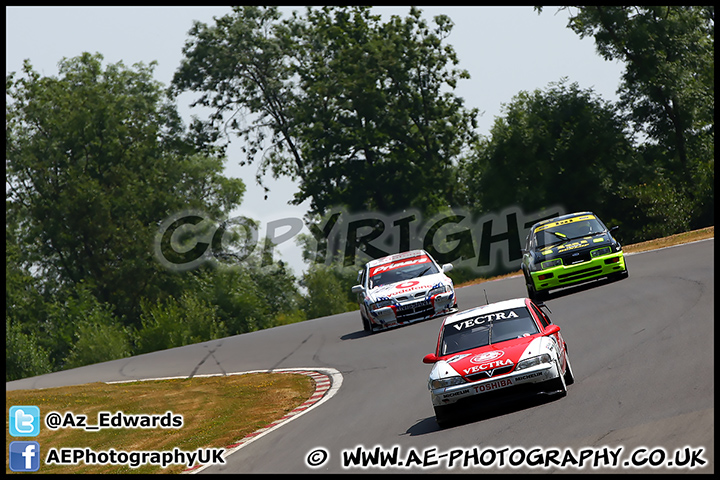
<point x="394" y="315"/>
<point x="505" y="385"/>
<point x="562" y="276"/>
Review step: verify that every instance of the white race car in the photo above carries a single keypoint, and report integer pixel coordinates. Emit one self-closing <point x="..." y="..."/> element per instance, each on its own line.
<point x="494" y="352"/>
<point x="403" y="288"/>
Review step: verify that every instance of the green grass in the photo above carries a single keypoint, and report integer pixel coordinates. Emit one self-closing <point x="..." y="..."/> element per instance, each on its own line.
<point x="217" y="411"/>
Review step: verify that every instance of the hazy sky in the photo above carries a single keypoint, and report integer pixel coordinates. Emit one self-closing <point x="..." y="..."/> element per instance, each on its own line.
<point x="505" y="49"/>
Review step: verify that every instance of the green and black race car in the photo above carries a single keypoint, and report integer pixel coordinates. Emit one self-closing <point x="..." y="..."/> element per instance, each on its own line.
<point x="569" y="250"/>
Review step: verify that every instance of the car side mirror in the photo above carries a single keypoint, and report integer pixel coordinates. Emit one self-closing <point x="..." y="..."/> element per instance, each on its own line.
<point x="551" y="329"/>
<point x="615" y="228"/>
<point x="430" y="358"/>
<point x="447" y="267"/>
<point x="357" y="289"/>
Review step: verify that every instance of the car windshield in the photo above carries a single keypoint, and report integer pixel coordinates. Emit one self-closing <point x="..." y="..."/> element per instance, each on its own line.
<point x="487" y="329"/>
<point x="401" y="270"/>
<point x="567" y="231"/>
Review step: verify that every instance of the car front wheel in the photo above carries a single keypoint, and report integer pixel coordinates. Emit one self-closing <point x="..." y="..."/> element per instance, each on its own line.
<point x="365" y="323"/>
<point x="443" y="416"/>
<point x="559" y="385"/>
<point x="569" y="376"/>
<point x="533" y="294"/>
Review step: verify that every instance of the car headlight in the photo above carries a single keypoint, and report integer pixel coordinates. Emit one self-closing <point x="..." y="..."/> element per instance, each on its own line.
<point x="385" y="302"/>
<point x="551" y="263"/>
<point x="438" y="290"/>
<point x="601" y="251"/>
<point x="533" y="361"/>
<point x="446" y="382"/>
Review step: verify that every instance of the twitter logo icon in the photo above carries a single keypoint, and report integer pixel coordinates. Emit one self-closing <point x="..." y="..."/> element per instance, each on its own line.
<point x="24" y="421"/>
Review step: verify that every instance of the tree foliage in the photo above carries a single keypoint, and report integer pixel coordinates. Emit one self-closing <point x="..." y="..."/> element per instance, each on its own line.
<point x="667" y="93"/>
<point x="96" y="159"/>
<point x="328" y="290"/>
<point x="177" y="322"/>
<point x="359" y="111"/>
<point x="562" y="146"/>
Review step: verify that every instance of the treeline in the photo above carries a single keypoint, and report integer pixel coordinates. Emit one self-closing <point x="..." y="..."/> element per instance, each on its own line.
<point x="360" y="112"/>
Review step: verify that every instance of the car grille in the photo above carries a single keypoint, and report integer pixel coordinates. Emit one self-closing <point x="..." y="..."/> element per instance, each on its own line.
<point x="579" y="274"/>
<point x="578" y="257"/>
<point x="414" y="310"/>
<point x="490" y="373"/>
<point x="404" y="298"/>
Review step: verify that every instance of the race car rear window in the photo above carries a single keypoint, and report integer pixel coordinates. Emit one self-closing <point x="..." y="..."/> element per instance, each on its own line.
<point x="487" y="329"/>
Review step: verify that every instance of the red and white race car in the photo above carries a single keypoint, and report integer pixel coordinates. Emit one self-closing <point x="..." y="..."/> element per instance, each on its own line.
<point x="494" y="352"/>
<point x="403" y="288"/>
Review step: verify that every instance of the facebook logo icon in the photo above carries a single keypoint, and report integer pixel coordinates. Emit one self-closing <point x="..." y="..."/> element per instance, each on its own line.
<point x="24" y="421"/>
<point x="24" y="456"/>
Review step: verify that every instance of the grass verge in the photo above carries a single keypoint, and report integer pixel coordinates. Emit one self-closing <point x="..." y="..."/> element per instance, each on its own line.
<point x="216" y="411"/>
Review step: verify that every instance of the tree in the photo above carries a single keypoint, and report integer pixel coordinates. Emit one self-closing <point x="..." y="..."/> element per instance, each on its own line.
<point x="177" y="322"/>
<point x="24" y="306"/>
<point x="23" y="356"/>
<point x="667" y="91"/>
<point x="251" y="297"/>
<point x="98" y="335"/>
<point x="562" y="146"/>
<point x="95" y="160"/>
<point x="329" y="289"/>
<point x="358" y="111"/>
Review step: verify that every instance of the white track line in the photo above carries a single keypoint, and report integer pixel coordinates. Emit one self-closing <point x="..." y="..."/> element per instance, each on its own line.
<point x="327" y="384"/>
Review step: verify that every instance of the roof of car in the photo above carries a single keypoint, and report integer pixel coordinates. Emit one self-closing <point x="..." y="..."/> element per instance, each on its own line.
<point x="395" y="257"/>
<point x="485" y="309"/>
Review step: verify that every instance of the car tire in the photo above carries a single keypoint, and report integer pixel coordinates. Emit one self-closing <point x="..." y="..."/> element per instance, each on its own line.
<point x="443" y="416"/>
<point x="533" y="294"/>
<point x="528" y="286"/>
<point x="559" y="384"/>
<point x="569" y="376"/>
<point x="366" y="323"/>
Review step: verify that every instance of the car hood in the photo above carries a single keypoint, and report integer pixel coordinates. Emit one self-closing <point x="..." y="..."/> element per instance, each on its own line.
<point x="416" y="288"/>
<point x="491" y="357"/>
<point x="575" y="246"/>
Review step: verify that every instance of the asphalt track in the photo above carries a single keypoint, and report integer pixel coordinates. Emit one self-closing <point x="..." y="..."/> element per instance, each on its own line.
<point x="642" y="351"/>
